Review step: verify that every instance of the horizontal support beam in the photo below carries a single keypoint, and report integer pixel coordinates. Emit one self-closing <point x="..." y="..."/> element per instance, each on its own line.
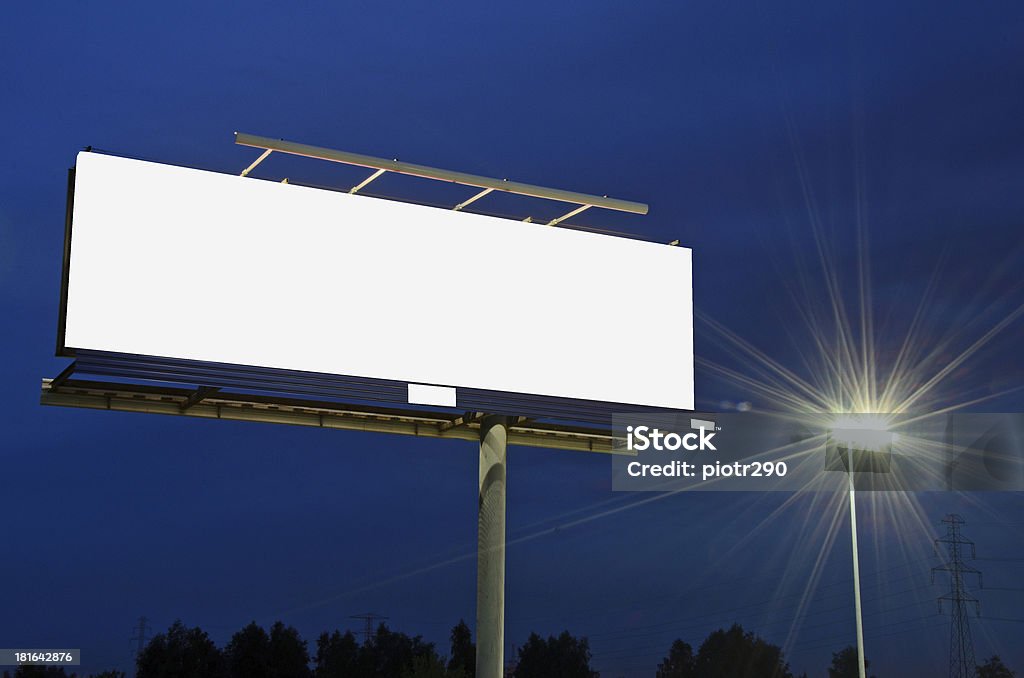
<point x="145" y="398"/>
<point x="462" y="178"/>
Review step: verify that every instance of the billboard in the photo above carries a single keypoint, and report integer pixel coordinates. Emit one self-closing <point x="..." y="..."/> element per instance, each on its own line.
<point x="195" y="265"/>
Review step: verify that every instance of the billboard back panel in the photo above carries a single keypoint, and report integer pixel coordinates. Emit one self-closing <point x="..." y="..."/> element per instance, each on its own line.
<point x="183" y="263"/>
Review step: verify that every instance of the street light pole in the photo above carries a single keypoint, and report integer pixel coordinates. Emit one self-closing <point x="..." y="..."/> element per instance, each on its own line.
<point x="861" y="668"/>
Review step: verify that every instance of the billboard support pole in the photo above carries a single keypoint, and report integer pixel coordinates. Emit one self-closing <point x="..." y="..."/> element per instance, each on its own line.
<point x="490" y="561"/>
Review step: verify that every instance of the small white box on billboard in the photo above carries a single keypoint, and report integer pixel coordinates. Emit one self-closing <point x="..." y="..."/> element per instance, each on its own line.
<point x="188" y="264"/>
<point x="422" y="394"/>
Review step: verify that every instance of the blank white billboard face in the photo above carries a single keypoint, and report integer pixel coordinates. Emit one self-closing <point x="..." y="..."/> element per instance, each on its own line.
<point x="181" y="263"/>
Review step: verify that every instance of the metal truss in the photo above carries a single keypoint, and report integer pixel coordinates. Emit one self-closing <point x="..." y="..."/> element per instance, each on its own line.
<point x="487" y="184"/>
<point x="213" y="403"/>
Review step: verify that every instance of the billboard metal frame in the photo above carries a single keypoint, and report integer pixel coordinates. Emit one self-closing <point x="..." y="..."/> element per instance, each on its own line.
<point x="339" y="388"/>
<point x="148" y="368"/>
<point x="148" y="384"/>
<point x="487" y="184"/>
<point x="211" y="402"/>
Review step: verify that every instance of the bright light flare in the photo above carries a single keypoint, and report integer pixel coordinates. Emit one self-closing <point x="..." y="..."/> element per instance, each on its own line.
<point x="866" y="432"/>
<point x="911" y="368"/>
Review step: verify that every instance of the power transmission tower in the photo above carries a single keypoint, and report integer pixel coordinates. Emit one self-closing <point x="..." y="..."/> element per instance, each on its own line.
<point x="140" y="638"/>
<point x="961" y="647"/>
<point x="368" y="618"/>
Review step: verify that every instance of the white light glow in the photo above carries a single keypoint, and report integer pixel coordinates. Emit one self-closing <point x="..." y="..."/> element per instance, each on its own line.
<point x="862" y="431"/>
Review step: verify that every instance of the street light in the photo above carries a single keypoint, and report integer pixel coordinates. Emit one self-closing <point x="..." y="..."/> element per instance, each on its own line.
<point x="858" y="443"/>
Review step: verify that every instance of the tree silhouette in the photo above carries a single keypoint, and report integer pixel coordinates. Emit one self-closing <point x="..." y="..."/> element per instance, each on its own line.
<point x="56" y="672"/>
<point x="844" y="663"/>
<point x="389" y="654"/>
<point x="337" y="656"/>
<point x="463" y="660"/>
<point x="252" y="653"/>
<point x="180" y="652"/>
<point x="995" y="668"/>
<point x="289" y="657"/>
<point x="679" y="663"/>
<point x="564" y="656"/>
<point x="426" y="666"/>
<point x="248" y="653"/>
<point x="738" y="654"/>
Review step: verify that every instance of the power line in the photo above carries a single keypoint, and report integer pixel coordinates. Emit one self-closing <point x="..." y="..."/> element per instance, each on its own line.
<point x="614" y="656"/>
<point x="961" y="646"/>
<point x="871" y="636"/>
<point x="672" y="626"/>
<point x="806" y="646"/>
<point x="655" y="648"/>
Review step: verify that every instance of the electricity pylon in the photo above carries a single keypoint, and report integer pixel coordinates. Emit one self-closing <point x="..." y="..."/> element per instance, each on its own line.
<point x="368" y="629"/>
<point x="961" y="647"/>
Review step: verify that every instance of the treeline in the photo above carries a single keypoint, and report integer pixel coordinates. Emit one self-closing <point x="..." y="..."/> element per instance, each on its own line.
<point x="735" y="653"/>
<point x="280" y="652"/>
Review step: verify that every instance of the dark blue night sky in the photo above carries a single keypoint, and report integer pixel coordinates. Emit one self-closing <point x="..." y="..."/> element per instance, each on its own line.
<point x="745" y="126"/>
